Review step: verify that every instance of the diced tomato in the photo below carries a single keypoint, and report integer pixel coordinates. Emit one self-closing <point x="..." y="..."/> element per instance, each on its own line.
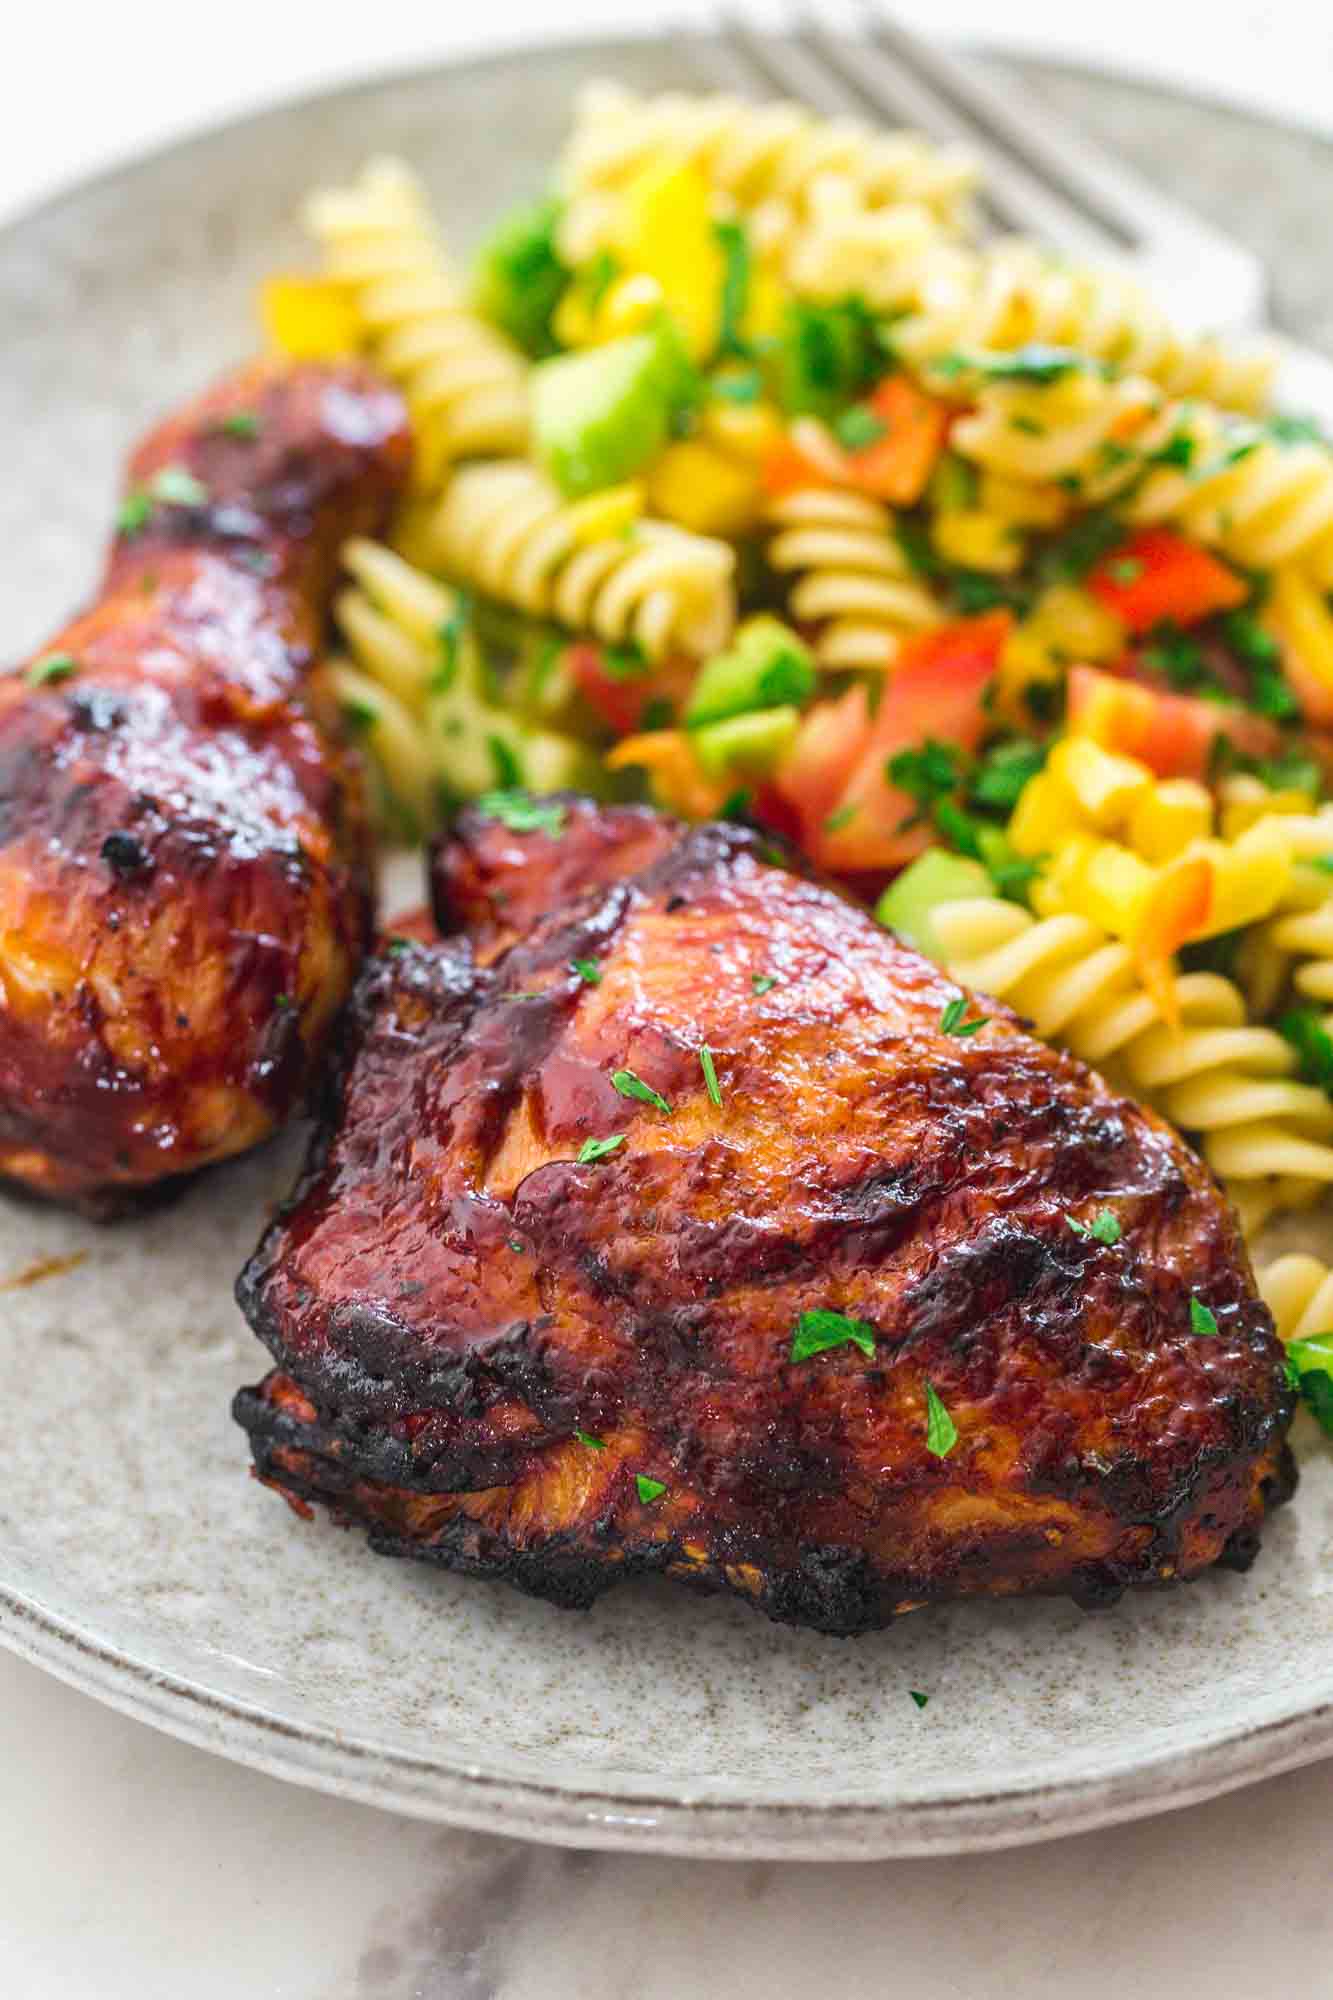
<point x="851" y="816"/>
<point x="618" y="700"/>
<point x="1157" y="575"/>
<point x="897" y="466"/>
<point x="1178" y="909"/>
<point x="1173" y="734"/>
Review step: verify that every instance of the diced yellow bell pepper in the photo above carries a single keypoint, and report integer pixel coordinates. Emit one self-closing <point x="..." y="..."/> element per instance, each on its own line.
<point x="1250" y="876"/>
<point x="1299" y="619"/>
<point x="745" y="430"/>
<point x="1105" y="785"/>
<point x="1045" y="817"/>
<point x="976" y="540"/>
<point x="1074" y="627"/>
<point x="1168" y="816"/>
<point x="603" y="516"/>
<point x="1246" y="799"/>
<point x="765" y="303"/>
<point x="666" y="230"/>
<point x="311" y="319"/>
<point x="1102" y="881"/>
<point x="1022" y="505"/>
<point x="705" y="490"/>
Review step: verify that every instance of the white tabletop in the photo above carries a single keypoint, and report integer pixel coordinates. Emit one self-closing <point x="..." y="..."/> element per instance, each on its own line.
<point x="132" y="1868"/>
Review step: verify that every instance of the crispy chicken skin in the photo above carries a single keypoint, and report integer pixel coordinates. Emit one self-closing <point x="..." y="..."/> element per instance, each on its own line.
<point x="184" y="886"/>
<point x="451" y="1297"/>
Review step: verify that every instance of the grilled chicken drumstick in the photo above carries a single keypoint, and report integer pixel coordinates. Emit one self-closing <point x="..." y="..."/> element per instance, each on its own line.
<point x="844" y="1342"/>
<point x="184" y="894"/>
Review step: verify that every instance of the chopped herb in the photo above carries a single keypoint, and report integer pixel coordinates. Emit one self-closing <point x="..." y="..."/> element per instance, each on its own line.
<point x="593" y="1444"/>
<point x="629" y="1085"/>
<point x="919" y="1698"/>
<point x="927" y="773"/>
<point x="133" y="513"/>
<point x="1013" y="874"/>
<point x="1035" y="363"/>
<point x="283" y="1002"/>
<point x="627" y="662"/>
<point x="597" y="1149"/>
<point x="176" y="486"/>
<point x="396" y="946"/>
<point x="843" y="817"/>
<point x="1310" y="1370"/>
<point x="858" y="428"/>
<point x="1004" y="771"/>
<point x="941" y="1430"/>
<point x="762" y="982"/>
<point x="600" y="275"/>
<point x="54" y="667"/>
<point x="1177" y="655"/>
<point x="648" y="1489"/>
<point x="1271" y="696"/>
<point x="517" y="1245"/>
<point x="1028" y="425"/>
<point x="359" y="715"/>
<point x="1069" y="557"/>
<point x="1126" y="569"/>
<point x="522" y="813"/>
<point x="976" y="592"/>
<point x="710" y="1073"/>
<point x="1111" y="454"/>
<point x="1246" y="636"/>
<point x="240" y="424"/>
<point x="658" y="714"/>
<point x="1202" y="1317"/>
<point x="736" y="806"/>
<point x="1105" y="1229"/>
<point x="820" y="1329"/>
<point x="962" y="832"/>
<point x="520" y="278"/>
<point x="952" y="1022"/>
<point x="587" y="970"/>
<point x="1178" y="450"/>
<point x="450" y="635"/>
<point x="734" y="242"/>
<point x="1285" y="429"/>
<point x="504" y="759"/>
<point x="1305" y="1030"/>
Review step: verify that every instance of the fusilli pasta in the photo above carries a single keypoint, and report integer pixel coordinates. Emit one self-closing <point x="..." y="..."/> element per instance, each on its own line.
<point x="850" y="579"/>
<point x="1298" y="1291"/>
<point x="465" y="383"/>
<point x="1219" y="1075"/>
<point x="416" y="694"/>
<point x="504" y="527"/>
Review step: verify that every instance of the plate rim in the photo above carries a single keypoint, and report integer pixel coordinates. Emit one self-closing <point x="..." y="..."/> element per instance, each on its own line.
<point x="340" y="1764"/>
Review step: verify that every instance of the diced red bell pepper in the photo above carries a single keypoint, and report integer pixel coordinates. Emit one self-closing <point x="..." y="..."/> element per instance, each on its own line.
<point x="1157" y="575"/>
<point x="1173" y="734"/>
<point x="897" y="466"/>
<point x="836" y="776"/>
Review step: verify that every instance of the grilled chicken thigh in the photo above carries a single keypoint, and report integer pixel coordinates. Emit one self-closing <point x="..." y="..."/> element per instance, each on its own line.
<point x="184" y="891"/>
<point x="528" y="1356"/>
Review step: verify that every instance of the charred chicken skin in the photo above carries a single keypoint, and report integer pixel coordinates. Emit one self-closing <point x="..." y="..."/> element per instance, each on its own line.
<point x="511" y="1352"/>
<point x="184" y="887"/>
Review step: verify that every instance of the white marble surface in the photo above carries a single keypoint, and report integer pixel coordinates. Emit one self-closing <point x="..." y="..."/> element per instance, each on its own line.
<point x="132" y="1868"/>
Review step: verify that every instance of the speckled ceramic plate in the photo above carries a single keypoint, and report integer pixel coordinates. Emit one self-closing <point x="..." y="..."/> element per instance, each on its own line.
<point x="137" y="1559"/>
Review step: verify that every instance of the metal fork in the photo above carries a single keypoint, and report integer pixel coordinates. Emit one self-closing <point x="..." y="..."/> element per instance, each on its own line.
<point x="1039" y="177"/>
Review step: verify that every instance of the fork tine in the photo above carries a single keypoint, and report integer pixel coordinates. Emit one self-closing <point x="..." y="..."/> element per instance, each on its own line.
<point x="780" y="63"/>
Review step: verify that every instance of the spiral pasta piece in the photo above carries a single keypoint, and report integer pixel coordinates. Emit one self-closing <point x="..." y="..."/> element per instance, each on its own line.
<point x="465" y="384"/>
<point x="504" y="527"/>
<point x="1263" y="497"/>
<point x="1218" y="1075"/>
<point x="1298" y="1291"/>
<point x="1014" y="293"/>
<point x="416" y="694"/>
<point x="771" y="153"/>
<point x="850" y="580"/>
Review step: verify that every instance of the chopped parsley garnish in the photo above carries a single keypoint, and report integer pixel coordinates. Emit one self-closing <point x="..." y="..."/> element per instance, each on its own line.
<point x="819" y="1329"/>
<point x="1105" y="1228"/>
<point x="176" y="486"/>
<point x="1178" y="450"/>
<point x="1305" y="1030"/>
<point x="843" y="817"/>
<point x="1310" y="1371"/>
<point x="587" y="971"/>
<point x="133" y="514"/>
<point x="919" y="1698"/>
<point x="597" y="1149"/>
<point x="648" y="1489"/>
<point x="952" y="1022"/>
<point x="451" y="633"/>
<point x="1003" y="773"/>
<point x="734" y="244"/>
<point x="593" y="1444"/>
<point x="55" y="667"/>
<point x="504" y="759"/>
<point x="396" y="946"/>
<point x="1069" y="557"/>
<point x="926" y="774"/>
<point x="283" y="1002"/>
<point x="517" y="1245"/>
<point x="1126" y="569"/>
<point x="240" y="424"/>
<point x="762" y="982"/>
<point x="358" y="715"/>
<point x="1037" y="363"/>
<point x="629" y="1085"/>
<point x="627" y="662"/>
<point x="1202" y="1318"/>
<point x="941" y="1430"/>
<point x="522" y="813"/>
<point x="1177" y="655"/>
<point x="858" y="428"/>
<point x="706" y="1064"/>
